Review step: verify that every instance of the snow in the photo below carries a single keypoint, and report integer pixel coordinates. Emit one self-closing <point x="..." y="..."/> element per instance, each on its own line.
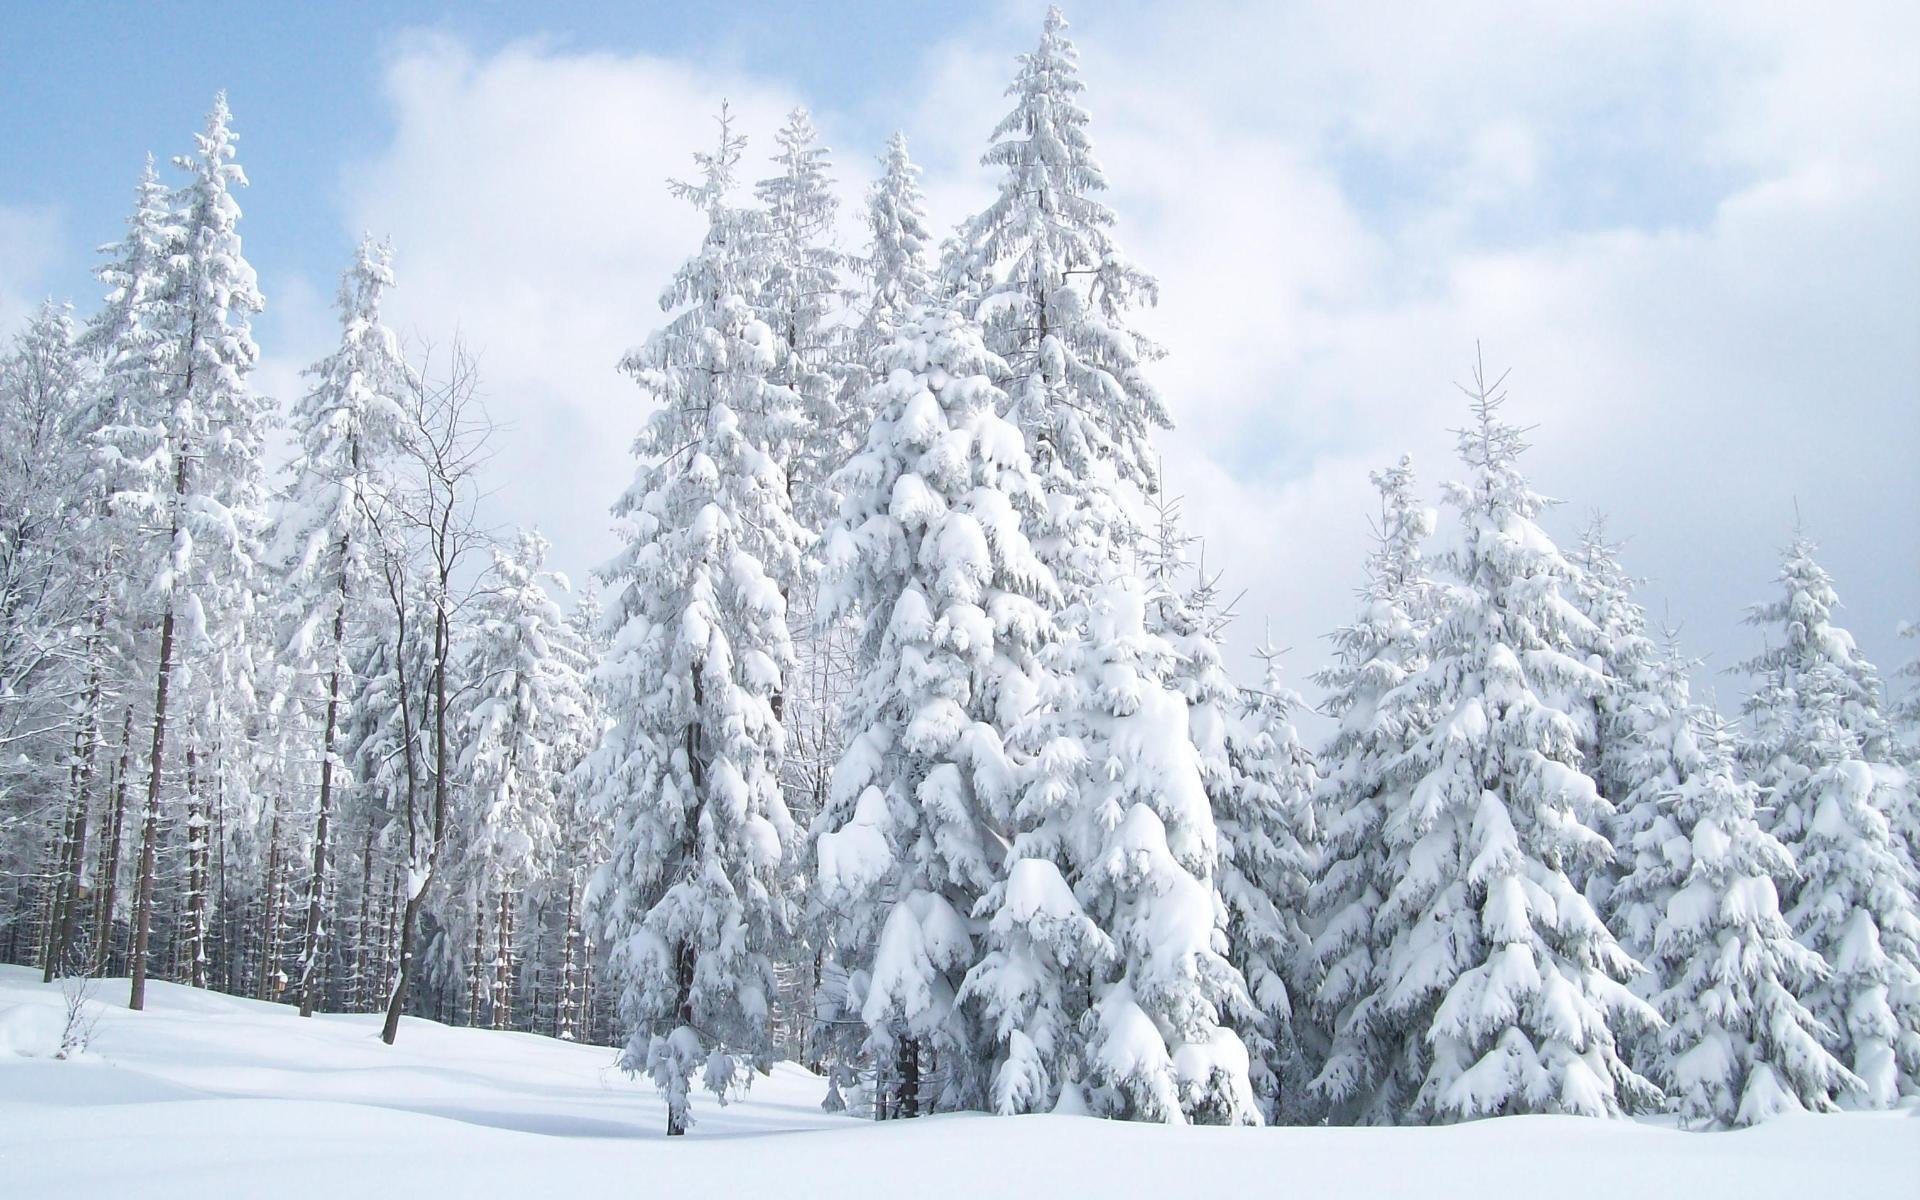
<point x="206" y="1095"/>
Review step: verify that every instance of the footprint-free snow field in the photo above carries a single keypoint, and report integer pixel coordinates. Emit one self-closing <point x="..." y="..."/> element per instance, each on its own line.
<point x="205" y="1095"/>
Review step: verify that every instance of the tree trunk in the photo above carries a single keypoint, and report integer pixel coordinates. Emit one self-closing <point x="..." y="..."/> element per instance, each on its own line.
<point x="564" y="1010"/>
<point x="311" y="970"/>
<point x="907" y="1070"/>
<point x="363" y="945"/>
<point x="403" y="978"/>
<point x="150" y="821"/>
<point x="199" y="876"/>
<point x="503" y="963"/>
<point x="116" y="818"/>
<point x="270" y="917"/>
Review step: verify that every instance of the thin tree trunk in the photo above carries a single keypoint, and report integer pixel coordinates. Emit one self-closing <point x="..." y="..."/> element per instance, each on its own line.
<point x="311" y="976"/>
<point x="270" y="923"/>
<point x="150" y="821"/>
<point x="907" y="1070"/>
<point x="199" y="876"/>
<point x="363" y="942"/>
<point x="564" y="1010"/>
<point x="503" y="963"/>
<point x="115" y="824"/>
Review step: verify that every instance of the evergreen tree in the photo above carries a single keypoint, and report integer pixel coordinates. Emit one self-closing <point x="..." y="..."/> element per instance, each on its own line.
<point x="1699" y="904"/>
<point x="1053" y="292"/>
<point x="690" y="904"/>
<point x="1502" y="985"/>
<point x="1270" y="850"/>
<point x="1820" y="747"/>
<point x="192" y="461"/>
<point x="348" y="427"/>
<point x="931" y="552"/>
<point x="895" y="270"/>
<point x="796" y="299"/>
<point x="1372" y="694"/>
<point x="524" y="727"/>
<point x="1133" y="952"/>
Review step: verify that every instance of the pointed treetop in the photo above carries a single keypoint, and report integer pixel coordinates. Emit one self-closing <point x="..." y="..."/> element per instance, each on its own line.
<point x="716" y="166"/>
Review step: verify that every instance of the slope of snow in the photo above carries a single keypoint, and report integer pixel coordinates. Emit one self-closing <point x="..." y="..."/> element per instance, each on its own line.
<point x="205" y="1095"/>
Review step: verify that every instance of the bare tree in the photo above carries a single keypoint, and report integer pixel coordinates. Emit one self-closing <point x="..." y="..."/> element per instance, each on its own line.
<point x="430" y="529"/>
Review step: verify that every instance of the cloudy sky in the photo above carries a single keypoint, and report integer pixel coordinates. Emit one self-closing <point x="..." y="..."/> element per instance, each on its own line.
<point x="1689" y="232"/>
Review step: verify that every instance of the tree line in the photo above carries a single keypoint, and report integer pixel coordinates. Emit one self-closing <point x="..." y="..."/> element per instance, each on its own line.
<point x="905" y="744"/>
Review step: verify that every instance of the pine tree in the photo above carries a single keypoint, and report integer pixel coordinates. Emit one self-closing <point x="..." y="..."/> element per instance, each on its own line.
<point x="1270" y="844"/>
<point x="796" y="299"/>
<point x="895" y="272"/>
<point x="1698" y="902"/>
<point x="1820" y="748"/>
<point x="1503" y="987"/>
<point x="690" y="905"/>
<point x="331" y="515"/>
<point x="196" y="483"/>
<point x="931" y="553"/>
<point x="524" y="726"/>
<point x="1053" y="292"/>
<point x="50" y="623"/>
<point x="1373" y="696"/>
<point x="1905" y="714"/>
<point x="1118" y="805"/>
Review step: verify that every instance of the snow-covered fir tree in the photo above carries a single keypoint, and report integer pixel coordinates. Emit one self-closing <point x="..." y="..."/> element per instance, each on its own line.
<point x="1260" y="781"/>
<point x="1501" y="985"/>
<point x="1107" y="934"/>
<point x="192" y="460"/>
<point x="525" y="727"/>
<point x="1363" y="780"/>
<point x="1053" y="291"/>
<point x="896" y="271"/>
<point x="1819" y="746"/>
<point x="797" y="298"/>
<point x="331" y="515"/>
<point x="931" y="553"/>
<point x="690" y="904"/>
<point x="1270" y="849"/>
<point x="1698" y="902"/>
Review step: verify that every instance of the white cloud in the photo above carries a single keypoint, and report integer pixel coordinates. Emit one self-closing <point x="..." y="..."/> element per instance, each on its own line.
<point x="1689" y="232"/>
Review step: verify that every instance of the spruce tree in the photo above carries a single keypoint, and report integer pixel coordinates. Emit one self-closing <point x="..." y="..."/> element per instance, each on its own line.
<point x="690" y="905"/>
<point x="931" y="553"/>
<point x="331" y="514"/>
<point x="1698" y="901"/>
<point x="194" y="483"/>
<point x="1053" y="292"/>
<point x="1379" y="711"/>
<point x="796" y="298"/>
<point x="523" y="725"/>
<point x="1504" y="988"/>
<point x="1820" y="747"/>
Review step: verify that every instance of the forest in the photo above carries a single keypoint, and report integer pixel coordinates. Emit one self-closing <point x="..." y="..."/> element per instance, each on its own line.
<point x="905" y="738"/>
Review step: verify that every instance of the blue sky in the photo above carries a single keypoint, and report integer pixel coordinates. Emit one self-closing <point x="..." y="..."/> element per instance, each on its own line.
<point x="1687" y="228"/>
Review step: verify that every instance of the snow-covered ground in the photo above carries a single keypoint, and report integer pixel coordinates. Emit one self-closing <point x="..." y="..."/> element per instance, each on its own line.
<point x="206" y="1095"/>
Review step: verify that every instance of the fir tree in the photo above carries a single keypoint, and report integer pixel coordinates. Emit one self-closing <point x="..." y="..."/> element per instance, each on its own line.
<point x="1503" y="986"/>
<point x="1053" y="293"/>
<point x="1372" y="695"/>
<point x="796" y="299"/>
<point x="348" y="425"/>
<point x="1820" y="748"/>
<point x="1698" y="902"/>
<point x="523" y="728"/>
<point x="931" y="552"/>
<point x="194" y="480"/>
<point x="690" y="904"/>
